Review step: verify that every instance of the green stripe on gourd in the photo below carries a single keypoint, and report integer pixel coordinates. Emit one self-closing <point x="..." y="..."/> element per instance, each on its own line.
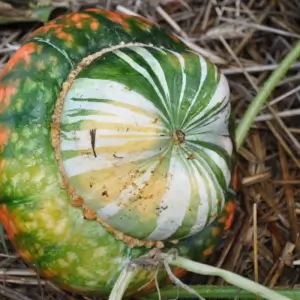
<point x="133" y="173"/>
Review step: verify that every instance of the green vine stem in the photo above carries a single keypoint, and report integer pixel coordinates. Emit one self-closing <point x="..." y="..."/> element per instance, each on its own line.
<point x="230" y="277"/>
<point x="213" y="291"/>
<point x="122" y="283"/>
<point x="264" y="93"/>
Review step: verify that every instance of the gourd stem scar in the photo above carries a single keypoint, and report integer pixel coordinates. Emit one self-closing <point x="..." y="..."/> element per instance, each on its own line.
<point x="178" y="136"/>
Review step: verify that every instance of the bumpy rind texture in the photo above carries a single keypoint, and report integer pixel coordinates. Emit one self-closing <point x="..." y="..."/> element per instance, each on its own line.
<point x="49" y="233"/>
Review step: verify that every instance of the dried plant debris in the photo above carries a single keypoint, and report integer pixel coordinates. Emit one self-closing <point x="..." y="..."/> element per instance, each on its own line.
<point x="247" y="39"/>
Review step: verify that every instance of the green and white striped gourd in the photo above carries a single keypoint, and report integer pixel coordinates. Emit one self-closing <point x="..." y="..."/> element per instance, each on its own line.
<point x="114" y="136"/>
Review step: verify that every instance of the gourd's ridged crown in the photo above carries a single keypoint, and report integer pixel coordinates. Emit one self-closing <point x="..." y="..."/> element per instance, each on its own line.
<point x="144" y="141"/>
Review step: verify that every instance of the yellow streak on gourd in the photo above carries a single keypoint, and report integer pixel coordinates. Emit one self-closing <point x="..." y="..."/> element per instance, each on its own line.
<point x="99" y="252"/>
<point x="136" y="109"/>
<point x="62" y="262"/>
<point x="15" y="179"/>
<point x="33" y="225"/>
<point x="88" y="124"/>
<point x="128" y="147"/>
<point x="61" y="225"/>
<point x="4" y="177"/>
<point x="92" y="283"/>
<point x="41" y="251"/>
<point x="47" y="214"/>
<point x="19" y="104"/>
<point x="14" y="137"/>
<point x="51" y="217"/>
<point x="53" y="60"/>
<point x="102" y="273"/>
<point x="71" y="256"/>
<point x="40" y="65"/>
<point x="109" y="183"/>
<point x="151" y="197"/>
<point x="84" y="272"/>
<point x="92" y="243"/>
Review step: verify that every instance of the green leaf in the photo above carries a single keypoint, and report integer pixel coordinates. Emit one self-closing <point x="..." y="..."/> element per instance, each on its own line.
<point x="10" y="14"/>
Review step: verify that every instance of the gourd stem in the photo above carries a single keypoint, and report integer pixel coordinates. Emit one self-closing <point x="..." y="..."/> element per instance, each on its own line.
<point x="214" y="291"/>
<point x="230" y="277"/>
<point x="122" y="283"/>
<point x="263" y="94"/>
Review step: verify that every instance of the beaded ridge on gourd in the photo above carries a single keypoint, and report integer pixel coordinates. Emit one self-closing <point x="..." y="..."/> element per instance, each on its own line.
<point x="115" y="138"/>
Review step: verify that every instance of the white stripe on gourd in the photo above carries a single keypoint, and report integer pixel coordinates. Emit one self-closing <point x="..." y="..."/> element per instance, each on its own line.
<point x="110" y="106"/>
<point x="82" y="141"/>
<point x="157" y="69"/>
<point x="203" y="68"/>
<point x="219" y="141"/>
<point x="204" y="202"/>
<point x="173" y="207"/>
<point x="215" y="189"/>
<point x="217" y="159"/>
<point x="103" y="89"/>
<point x="145" y="74"/>
<point x="84" y="163"/>
<point x="221" y="96"/>
<point x="209" y="178"/>
<point x="183" y="85"/>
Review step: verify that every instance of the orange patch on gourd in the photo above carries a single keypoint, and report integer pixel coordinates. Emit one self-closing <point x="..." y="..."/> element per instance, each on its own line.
<point x="67" y="37"/>
<point x="80" y="18"/>
<point x="230" y="208"/>
<point x="235" y="178"/>
<point x="178" y="272"/>
<point x="174" y="38"/>
<point x="231" y="205"/>
<point x="143" y="20"/>
<point x="223" y="219"/>
<point x="4" y="133"/>
<point x="40" y="65"/>
<point x="143" y="23"/>
<point x="58" y="31"/>
<point x="121" y="19"/>
<point x="25" y="255"/>
<point x="47" y="273"/>
<point x="145" y="290"/>
<point x="117" y="18"/>
<point x="6" y="93"/>
<point x="22" y="55"/>
<point x="228" y="222"/>
<point x="48" y="27"/>
<point x="215" y="231"/>
<point x="94" y="25"/>
<point x="208" y="251"/>
<point x="96" y="10"/>
<point x="2" y="164"/>
<point x="7" y="219"/>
